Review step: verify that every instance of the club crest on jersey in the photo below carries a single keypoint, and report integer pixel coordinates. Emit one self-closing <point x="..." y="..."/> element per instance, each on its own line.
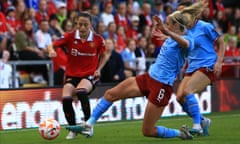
<point x="75" y="42"/>
<point x="91" y="44"/>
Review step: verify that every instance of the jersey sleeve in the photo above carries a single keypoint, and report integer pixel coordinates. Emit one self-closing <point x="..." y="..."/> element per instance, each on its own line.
<point x="212" y="34"/>
<point x="190" y="39"/>
<point x="102" y="46"/>
<point x="62" y="41"/>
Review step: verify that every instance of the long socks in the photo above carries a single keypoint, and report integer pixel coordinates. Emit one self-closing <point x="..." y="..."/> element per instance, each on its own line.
<point x="191" y="107"/>
<point x="83" y="98"/>
<point x="164" y="132"/>
<point x="101" y="107"/>
<point x="68" y="110"/>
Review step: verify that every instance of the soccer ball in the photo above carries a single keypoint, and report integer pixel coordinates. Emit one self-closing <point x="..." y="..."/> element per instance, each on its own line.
<point x="49" y="129"/>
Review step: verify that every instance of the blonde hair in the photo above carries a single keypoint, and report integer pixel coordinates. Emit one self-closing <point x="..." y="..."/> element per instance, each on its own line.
<point x="194" y="10"/>
<point x="177" y="17"/>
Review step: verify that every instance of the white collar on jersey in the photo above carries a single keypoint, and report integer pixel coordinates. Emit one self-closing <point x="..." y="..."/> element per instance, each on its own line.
<point x="90" y="37"/>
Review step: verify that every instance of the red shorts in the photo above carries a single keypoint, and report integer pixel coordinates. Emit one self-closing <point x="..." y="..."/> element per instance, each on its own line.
<point x="208" y="72"/>
<point x="156" y="92"/>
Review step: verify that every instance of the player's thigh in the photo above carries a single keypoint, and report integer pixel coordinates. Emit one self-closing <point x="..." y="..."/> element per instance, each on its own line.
<point x="181" y="87"/>
<point x="197" y="83"/>
<point x="86" y="84"/>
<point x="125" y="89"/>
<point x="151" y="116"/>
<point x="68" y="89"/>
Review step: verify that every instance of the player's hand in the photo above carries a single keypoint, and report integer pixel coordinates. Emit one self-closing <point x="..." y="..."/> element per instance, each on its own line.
<point x="97" y="75"/>
<point x="52" y="53"/>
<point x="160" y="25"/>
<point x="158" y="35"/>
<point x="218" y="68"/>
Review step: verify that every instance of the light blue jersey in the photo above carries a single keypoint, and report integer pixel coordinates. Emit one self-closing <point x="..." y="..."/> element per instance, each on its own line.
<point x="170" y="60"/>
<point x="203" y="54"/>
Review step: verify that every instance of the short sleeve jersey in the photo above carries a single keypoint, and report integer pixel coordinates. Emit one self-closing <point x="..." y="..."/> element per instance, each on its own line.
<point x="203" y="54"/>
<point x="82" y="56"/>
<point x="170" y="60"/>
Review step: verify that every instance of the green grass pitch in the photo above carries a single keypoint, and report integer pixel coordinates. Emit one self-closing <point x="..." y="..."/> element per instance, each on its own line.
<point x="225" y="129"/>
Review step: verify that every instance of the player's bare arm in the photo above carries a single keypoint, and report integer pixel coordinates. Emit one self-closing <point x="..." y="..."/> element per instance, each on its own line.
<point x="181" y="41"/>
<point x="51" y="52"/>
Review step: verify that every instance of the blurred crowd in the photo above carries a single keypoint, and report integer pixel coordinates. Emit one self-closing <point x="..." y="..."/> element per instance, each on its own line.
<point x="28" y="27"/>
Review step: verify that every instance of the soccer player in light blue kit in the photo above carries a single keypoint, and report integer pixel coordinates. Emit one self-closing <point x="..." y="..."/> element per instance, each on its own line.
<point x="204" y="64"/>
<point x="156" y="84"/>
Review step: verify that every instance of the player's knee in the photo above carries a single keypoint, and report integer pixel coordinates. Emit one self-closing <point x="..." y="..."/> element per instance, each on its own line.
<point x="187" y="91"/>
<point x="81" y="91"/>
<point x="110" y="96"/>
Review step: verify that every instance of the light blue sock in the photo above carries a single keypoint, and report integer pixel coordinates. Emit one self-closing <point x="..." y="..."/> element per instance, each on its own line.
<point x="164" y="132"/>
<point x="185" y="108"/>
<point x="101" y="107"/>
<point x="193" y="108"/>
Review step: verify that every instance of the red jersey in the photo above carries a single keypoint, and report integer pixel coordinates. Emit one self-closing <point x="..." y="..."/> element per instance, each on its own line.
<point x="82" y="56"/>
<point x="3" y="27"/>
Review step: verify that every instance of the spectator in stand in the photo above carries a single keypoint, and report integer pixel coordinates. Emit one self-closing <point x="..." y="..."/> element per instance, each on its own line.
<point x="141" y="47"/>
<point x="219" y="5"/>
<point x="232" y="49"/>
<point x="140" y="55"/>
<point x="101" y="28"/>
<point x="206" y="15"/>
<point x="107" y="15"/>
<point x="42" y="13"/>
<point x="11" y="21"/>
<point x="71" y="15"/>
<point x="61" y="12"/>
<point x="54" y="28"/>
<point x="95" y="15"/>
<point x="151" y="51"/>
<point x="146" y="32"/>
<point x="111" y="31"/>
<point x="32" y="15"/>
<point x="145" y="18"/>
<point x="237" y="18"/>
<point x="133" y="7"/>
<point x="4" y="32"/>
<point x="113" y="70"/>
<point x="129" y="57"/>
<point x="83" y="5"/>
<point x="43" y="37"/>
<point x="27" y="50"/>
<point x="231" y="34"/>
<point x="132" y="31"/>
<point x="3" y="26"/>
<point x="51" y="7"/>
<point x="219" y="21"/>
<point x="121" y="39"/>
<point x="168" y="9"/>
<point x="67" y="25"/>
<point x="120" y="17"/>
<point x="158" y="9"/>
<point x="5" y="70"/>
<point x="21" y="13"/>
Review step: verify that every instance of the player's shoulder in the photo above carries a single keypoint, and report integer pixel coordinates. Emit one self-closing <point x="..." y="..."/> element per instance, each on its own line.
<point x="68" y="34"/>
<point x="97" y="36"/>
<point x="203" y="24"/>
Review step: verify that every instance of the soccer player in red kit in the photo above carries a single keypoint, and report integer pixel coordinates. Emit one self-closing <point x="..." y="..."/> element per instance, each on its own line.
<point x="85" y="60"/>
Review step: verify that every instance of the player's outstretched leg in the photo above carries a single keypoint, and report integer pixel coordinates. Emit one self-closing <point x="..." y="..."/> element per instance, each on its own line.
<point x="184" y="133"/>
